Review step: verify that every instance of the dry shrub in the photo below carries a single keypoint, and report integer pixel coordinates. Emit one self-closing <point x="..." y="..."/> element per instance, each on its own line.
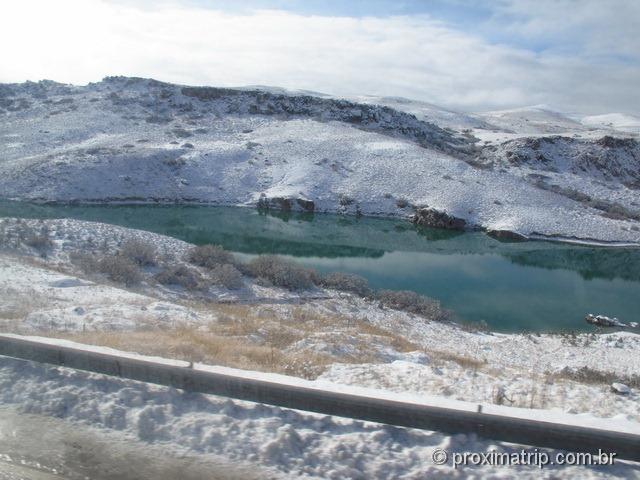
<point x="210" y="256"/>
<point x="120" y="269"/>
<point x="182" y="275"/>
<point x="273" y="270"/>
<point x="116" y="267"/>
<point x="412" y="302"/>
<point x="228" y="276"/>
<point x="140" y="252"/>
<point x="347" y="282"/>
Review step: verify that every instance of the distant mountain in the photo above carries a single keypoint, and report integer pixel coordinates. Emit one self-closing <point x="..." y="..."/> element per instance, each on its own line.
<point x="538" y="119"/>
<point x="429" y="113"/>
<point x="617" y="121"/>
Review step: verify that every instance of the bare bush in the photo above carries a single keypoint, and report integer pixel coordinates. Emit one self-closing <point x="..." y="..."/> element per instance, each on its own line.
<point x="182" y="275"/>
<point x="210" y="256"/>
<point x="282" y="273"/>
<point x="84" y="261"/>
<point x="412" y="302"/>
<point x="228" y="276"/>
<point x="120" y="269"/>
<point x="40" y="241"/>
<point x="140" y="252"/>
<point x="116" y="267"/>
<point x="347" y="282"/>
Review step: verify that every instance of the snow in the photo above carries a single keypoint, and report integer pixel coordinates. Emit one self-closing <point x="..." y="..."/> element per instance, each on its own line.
<point x="134" y="140"/>
<point x="294" y="443"/>
<point x="535" y="119"/>
<point x="429" y="112"/>
<point x="139" y="140"/>
<point x="616" y="121"/>
<point x="450" y="366"/>
<point x="47" y="296"/>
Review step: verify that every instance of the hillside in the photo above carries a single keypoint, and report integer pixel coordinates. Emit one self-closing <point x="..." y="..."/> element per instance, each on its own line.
<point x="616" y="121"/>
<point x="127" y="139"/>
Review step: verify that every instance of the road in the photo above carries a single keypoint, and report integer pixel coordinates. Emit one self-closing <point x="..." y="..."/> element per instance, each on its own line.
<point x="35" y="447"/>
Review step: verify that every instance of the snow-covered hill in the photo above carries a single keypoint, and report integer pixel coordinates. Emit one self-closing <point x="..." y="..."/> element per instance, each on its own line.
<point x="128" y="139"/>
<point x="538" y="119"/>
<point x="616" y="121"/>
<point x="429" y="112"/>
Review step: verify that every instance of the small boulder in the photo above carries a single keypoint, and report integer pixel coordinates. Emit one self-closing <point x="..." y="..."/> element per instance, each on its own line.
<point x="286" y="204"/>
<point x="604" y="321"/>
<point x="620" y="389"/>
<point x="507" y="236"/>
<point x="306" y="205"/>
<point x="429" y="217"/>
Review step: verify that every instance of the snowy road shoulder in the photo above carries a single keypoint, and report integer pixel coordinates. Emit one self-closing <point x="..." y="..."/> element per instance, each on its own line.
<point x="292" y="442"/>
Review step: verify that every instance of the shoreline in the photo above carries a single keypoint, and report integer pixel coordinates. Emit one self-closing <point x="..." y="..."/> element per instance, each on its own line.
<point x="530" y="237"/>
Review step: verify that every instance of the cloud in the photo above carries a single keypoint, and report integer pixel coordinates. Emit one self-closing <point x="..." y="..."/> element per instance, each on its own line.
<point x="591" y="28"/>
<point x="78" y="41"/>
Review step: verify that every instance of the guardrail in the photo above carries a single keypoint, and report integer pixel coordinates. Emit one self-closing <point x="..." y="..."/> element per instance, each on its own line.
<point x="494" y="423"/>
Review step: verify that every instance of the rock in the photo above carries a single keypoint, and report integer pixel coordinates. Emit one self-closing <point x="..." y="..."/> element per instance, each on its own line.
<point x="507" y="235"/>
<point x="286" y="204"/>
<point x="604" y="321"/>
<point x="306" y="205"/>
<point x="277" y="203"/>
<point x="620" y="389"/>
<point x="428" y="217"/>
<point x="79" y="310"/>
<point x="613" y="142"/>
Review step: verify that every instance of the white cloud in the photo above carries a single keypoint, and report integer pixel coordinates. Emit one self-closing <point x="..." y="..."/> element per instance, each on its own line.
<point x="78" y="41"/>
<point x="590" y="28"/>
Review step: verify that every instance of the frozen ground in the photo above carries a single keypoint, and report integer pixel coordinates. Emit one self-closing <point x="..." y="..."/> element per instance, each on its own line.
<point x="140" y="140"/>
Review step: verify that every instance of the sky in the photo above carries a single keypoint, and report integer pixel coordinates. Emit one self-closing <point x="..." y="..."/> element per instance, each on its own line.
<point x="577" y="56"/>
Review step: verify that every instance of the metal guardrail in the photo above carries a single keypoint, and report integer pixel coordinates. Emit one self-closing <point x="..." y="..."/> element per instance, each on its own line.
<point x="331" y="402"/>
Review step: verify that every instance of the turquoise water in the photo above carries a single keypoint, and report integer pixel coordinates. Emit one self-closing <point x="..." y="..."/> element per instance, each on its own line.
<point x="532" y="286"/>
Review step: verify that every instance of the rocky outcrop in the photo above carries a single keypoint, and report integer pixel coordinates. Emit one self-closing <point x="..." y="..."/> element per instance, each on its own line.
<point x="378" y="118"/>
<point x="607" y="158"/>
<point x="429" y="217"/>
<point x="306" y="205"/>
<point x="286" y="204"/>
<point x="507" y="235"/>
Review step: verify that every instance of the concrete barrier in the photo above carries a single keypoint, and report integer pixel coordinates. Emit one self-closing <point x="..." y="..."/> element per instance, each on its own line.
<point x="382" y="409"/>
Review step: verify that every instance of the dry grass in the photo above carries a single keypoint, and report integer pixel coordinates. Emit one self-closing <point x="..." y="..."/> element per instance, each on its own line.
<point x="589" y="376"/>
<point x="464" y="361"/>
<point x="194" y="345"/>
<point x="16" y="305"/>
<point x="283" y="328"/>
<point x="253" y="337"/>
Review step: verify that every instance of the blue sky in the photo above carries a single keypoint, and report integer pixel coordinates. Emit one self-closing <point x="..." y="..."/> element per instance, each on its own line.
<point x="575" y="55"/>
